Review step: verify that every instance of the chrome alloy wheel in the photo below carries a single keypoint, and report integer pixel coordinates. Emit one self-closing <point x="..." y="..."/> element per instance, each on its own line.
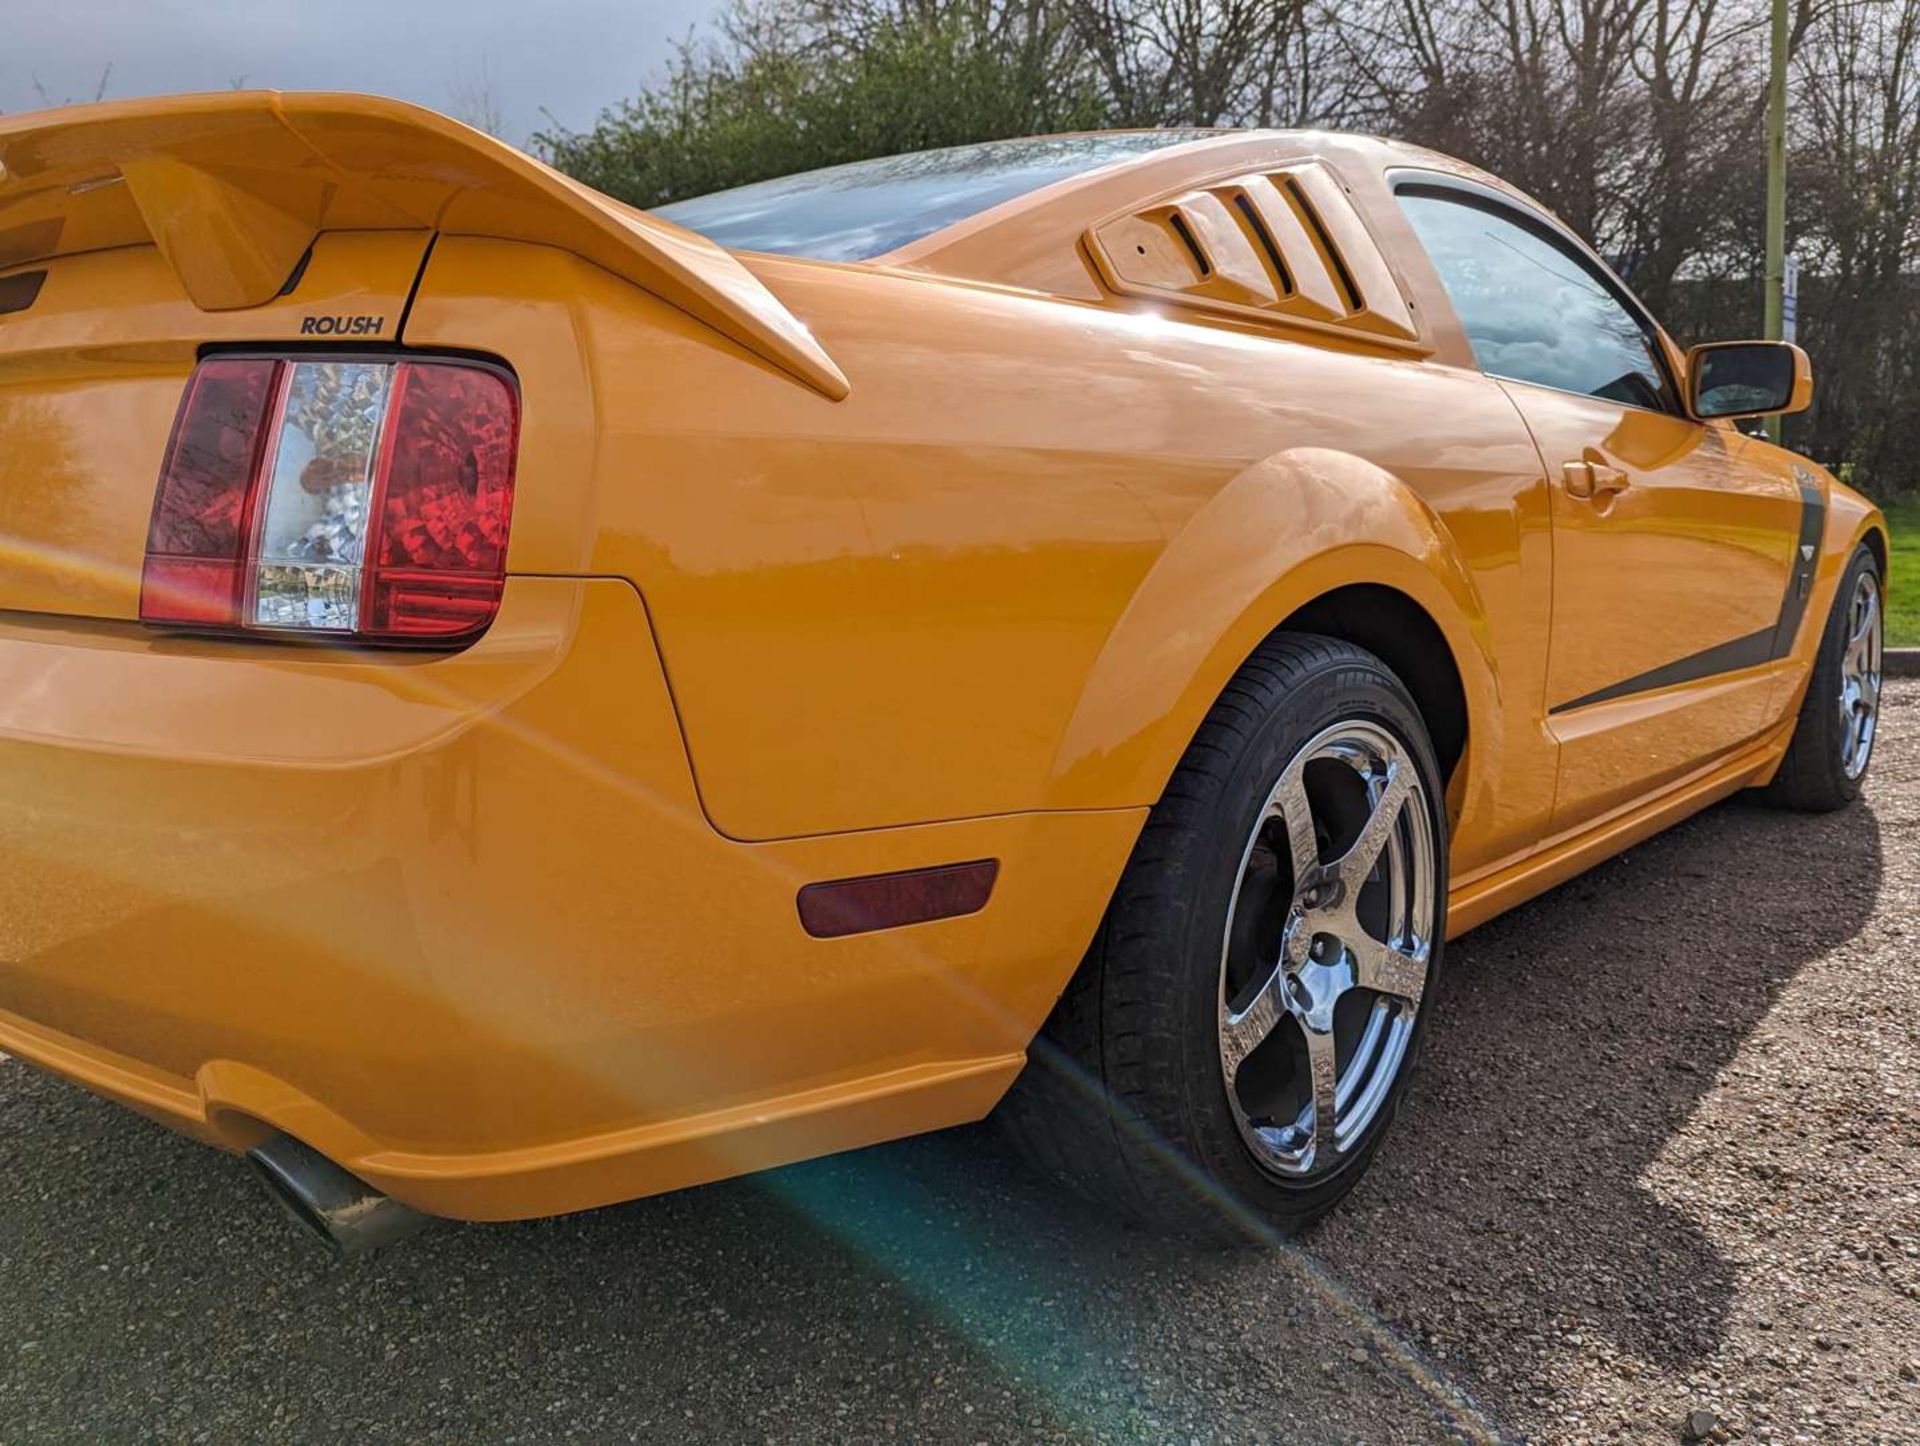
<point x="1860" y="676"/>
<point x="1327" y="947"/>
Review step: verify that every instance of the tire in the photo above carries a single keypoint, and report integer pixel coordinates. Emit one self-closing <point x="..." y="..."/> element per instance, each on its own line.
<point x="1833" y="737"/>
<point x="1125" y="1096"/>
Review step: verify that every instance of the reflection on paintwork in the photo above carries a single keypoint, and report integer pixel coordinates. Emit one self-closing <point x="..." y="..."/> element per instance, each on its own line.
<point x="961" y="592"/>
<point x="1696" y="550"/>
<point x="513" y="930"/>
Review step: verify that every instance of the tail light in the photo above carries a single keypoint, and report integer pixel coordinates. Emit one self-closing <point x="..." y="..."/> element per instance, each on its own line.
<point x="367" y="499"/>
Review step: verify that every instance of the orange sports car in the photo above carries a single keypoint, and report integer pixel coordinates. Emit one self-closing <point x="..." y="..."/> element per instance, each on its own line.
<point x="510" y="703"/>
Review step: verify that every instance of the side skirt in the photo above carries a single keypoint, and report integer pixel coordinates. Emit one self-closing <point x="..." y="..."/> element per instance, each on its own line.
<point x="1475" y="901"/>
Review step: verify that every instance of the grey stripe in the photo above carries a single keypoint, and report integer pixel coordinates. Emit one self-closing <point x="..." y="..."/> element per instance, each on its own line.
<point x="1754" y="649"/>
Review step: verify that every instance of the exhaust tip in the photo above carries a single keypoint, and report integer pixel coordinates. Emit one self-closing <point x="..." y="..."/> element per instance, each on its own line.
<point x="340" y="1210"/>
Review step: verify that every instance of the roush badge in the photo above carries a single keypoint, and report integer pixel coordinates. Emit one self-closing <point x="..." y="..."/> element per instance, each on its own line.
<point x="341" y="325"/>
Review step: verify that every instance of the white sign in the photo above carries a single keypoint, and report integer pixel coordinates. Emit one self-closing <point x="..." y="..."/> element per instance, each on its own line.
<point x="1790" y="299"/>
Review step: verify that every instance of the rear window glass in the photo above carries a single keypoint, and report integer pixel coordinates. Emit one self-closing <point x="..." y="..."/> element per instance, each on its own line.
<point x="867" y="208"/>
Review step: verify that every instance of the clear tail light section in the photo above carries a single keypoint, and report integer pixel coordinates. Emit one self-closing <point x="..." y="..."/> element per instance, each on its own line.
<point x="359" y="498"/>
<point x="316" y="496"/>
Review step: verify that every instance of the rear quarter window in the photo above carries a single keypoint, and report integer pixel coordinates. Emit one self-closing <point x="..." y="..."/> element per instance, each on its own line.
<point x="867" y="208"/>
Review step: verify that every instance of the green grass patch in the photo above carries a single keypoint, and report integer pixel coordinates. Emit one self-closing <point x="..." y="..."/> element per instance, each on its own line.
<point x="1903" y="587"/>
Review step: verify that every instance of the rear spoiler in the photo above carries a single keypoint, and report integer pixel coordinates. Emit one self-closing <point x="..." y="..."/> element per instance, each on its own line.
<point x="233" y="189"/>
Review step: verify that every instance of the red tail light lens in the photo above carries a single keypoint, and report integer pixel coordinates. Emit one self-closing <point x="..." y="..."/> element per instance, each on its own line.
<point x="365" y="498"/>
<point x="196" y="548"/>
<point x="442" y="542"/>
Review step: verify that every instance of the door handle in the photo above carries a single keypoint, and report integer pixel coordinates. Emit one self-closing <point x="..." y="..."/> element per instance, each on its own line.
<point x="1588" y="480"/>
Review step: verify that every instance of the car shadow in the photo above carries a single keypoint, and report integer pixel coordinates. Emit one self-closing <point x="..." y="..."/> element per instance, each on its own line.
<point x="934" y="1289"/>
<point x="1512" y="1214"/>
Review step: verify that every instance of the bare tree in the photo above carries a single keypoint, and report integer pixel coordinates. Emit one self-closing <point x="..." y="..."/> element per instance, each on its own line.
<point x="1638" y="121"/>
<point x="1201" y="62"/>
<point x="1857" y="189"/>
<point x="99" y="90"/>
<point x="474" y="98"/>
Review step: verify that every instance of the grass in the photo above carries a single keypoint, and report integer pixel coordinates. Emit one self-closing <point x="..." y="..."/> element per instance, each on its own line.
<point x="1903" y="589"/>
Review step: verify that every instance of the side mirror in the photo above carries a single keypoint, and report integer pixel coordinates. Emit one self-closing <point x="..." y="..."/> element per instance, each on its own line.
<point x="1748" y="379"/>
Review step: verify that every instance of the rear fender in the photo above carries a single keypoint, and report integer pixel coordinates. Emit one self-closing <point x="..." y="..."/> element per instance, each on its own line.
<point x="1284" y="532"/>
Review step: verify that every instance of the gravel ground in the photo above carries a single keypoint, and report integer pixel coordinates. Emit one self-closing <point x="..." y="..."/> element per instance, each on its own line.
<point x="1664" y="1158"/>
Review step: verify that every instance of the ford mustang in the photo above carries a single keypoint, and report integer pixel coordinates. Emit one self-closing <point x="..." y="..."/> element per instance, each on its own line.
<point x="510" y="702"/>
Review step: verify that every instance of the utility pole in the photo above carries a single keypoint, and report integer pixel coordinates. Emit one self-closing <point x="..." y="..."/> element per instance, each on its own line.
<point x="1776" y="186"/>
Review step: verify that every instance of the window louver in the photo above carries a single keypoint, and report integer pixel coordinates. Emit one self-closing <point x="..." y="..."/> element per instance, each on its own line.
<point x="1285" y="245"/>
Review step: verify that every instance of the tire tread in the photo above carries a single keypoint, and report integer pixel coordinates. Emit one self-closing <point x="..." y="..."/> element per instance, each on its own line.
<point x="1102" y="1094"/>
<point x="1810" y="778"/>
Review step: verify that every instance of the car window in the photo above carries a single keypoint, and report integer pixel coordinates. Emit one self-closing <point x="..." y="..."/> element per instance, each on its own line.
<point x="866" y="208"/>
<point x="1534" y="309"/>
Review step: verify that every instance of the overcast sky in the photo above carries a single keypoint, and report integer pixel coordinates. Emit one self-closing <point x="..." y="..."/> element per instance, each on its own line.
<point x="570" y="57"/>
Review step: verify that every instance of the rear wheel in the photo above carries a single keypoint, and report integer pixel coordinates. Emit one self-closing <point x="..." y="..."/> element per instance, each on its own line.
<point x="1833" y="738"/>
<point x="1236" y="1043"/>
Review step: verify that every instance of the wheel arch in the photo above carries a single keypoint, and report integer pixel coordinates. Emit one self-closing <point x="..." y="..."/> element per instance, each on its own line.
<point x="1876" y="541"/>
<point x="1307" y="540"/>
<point x="1399" y="632"/>
<point x="1853" y="521"/>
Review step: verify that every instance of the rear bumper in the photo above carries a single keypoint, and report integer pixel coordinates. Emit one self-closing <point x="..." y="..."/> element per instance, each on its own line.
<point x="461" y="924"/>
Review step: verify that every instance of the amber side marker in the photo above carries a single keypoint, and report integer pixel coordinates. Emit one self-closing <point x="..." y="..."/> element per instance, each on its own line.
<point x="886" y="901"/>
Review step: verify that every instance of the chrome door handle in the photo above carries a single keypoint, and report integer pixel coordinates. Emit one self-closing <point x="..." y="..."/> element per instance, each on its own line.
<point x="1608" y="480"/>
<point x="1588" y="480"/>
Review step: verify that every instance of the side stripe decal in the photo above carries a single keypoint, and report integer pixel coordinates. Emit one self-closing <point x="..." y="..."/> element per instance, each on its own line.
<point x="1764" y="646"/>
<point x="1813" y="523"/>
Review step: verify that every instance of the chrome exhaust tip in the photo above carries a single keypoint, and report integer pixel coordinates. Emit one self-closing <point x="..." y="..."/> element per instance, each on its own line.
<point x="340" y="1210"/>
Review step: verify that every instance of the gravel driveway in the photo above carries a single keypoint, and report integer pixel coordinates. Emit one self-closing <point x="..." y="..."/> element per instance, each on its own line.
<point x="1664" y="1157"/>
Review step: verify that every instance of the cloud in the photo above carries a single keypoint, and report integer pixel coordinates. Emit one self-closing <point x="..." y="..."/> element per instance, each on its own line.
<point x="569" y="57"/>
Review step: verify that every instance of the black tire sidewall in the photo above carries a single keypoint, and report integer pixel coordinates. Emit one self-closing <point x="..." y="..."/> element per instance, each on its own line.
<point x="1823" y="687"/>
<point x="1356" y="687"/>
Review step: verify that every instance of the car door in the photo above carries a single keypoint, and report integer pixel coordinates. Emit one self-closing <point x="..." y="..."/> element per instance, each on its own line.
<point x="1673" y="548"/>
